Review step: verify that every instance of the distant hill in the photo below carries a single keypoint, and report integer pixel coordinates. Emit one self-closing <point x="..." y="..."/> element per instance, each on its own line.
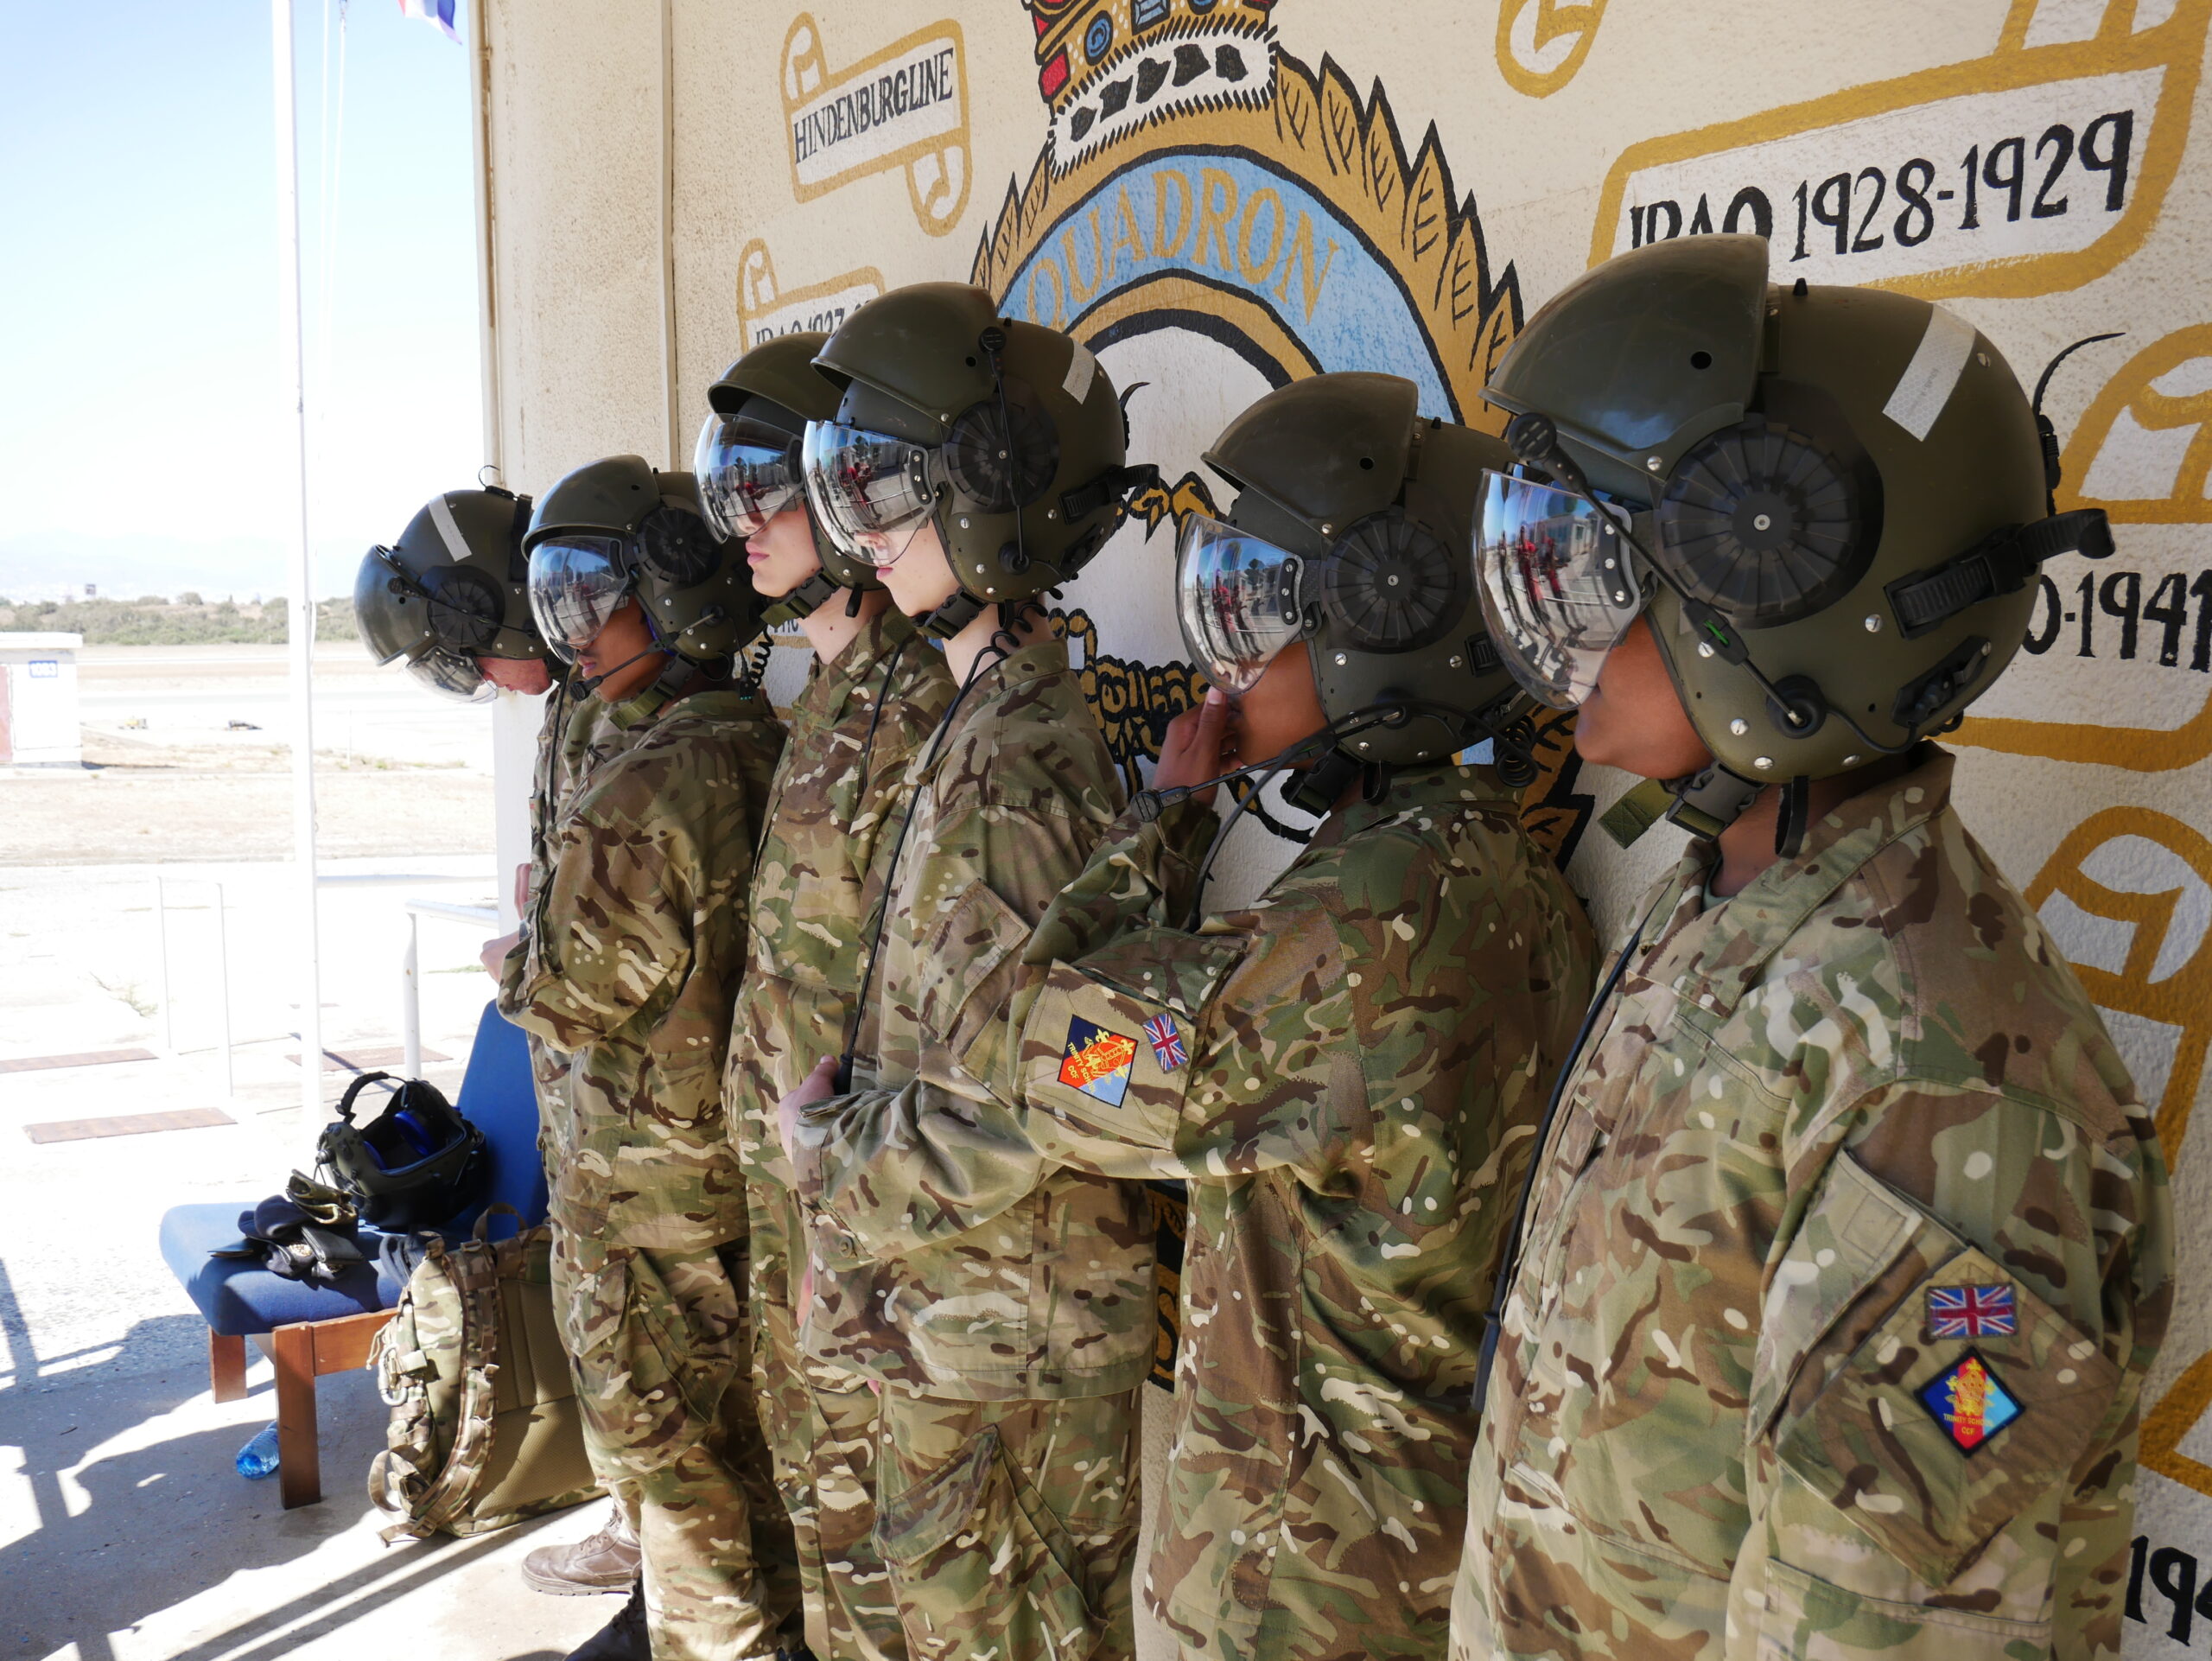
<point x="54" y="564"/>
<point x="154" y="621"/>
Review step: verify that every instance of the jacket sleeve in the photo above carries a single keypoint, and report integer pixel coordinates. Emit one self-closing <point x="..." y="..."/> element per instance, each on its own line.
<point x="1951" y="1360"/>
<point x="892" y="1170"/>
<point x="609" y="935"/>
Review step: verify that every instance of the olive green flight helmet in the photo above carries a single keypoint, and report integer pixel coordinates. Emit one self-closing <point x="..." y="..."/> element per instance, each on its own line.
<point x="1832" y="502"/>
<point x="455" y="588"/>
<point x="747" y="460"/>
<point x="616" y="528"/>
<point x="1350" y="531"/>
<point x="1006" y="435"/>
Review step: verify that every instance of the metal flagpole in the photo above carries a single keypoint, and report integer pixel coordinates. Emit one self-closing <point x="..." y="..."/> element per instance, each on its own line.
<point x="291" y="358"/>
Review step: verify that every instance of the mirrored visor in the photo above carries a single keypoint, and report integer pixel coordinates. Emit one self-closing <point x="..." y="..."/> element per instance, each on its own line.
<point x="1557" y="585"/>
<point x="870" y="491"/>
<point x="1236" y="595"/>
<point x="576" y="582"/>
<point x="451" y="675"/>
<point x="747" y="474"/>
<point x="388" y="606"/>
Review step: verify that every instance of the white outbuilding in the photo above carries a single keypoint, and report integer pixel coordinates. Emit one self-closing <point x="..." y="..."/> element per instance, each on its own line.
<point x="38" y="700"/>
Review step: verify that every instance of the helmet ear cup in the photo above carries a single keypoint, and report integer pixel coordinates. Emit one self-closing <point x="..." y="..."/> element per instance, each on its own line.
<point x="1392" y="585"/>
<point x="999" y="465"/>
<point x="1766" y="525"/>
<point x="677" y="547"/>
<point x="465" y="607"/>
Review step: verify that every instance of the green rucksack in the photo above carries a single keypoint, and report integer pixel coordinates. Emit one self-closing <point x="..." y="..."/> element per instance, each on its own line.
<point x="485" y="1430"/>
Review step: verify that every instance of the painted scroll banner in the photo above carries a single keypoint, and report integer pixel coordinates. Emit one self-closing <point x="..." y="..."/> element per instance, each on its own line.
<point x="2021" y="173"/>
<point x="763" y="310"/>
<point x="905" y="107"/>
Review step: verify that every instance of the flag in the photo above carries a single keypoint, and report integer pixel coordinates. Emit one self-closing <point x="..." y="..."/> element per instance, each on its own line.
<point x="1971" y="1311"/>
<point x="431" y="12"/>
<point x="1166" y="1042"/>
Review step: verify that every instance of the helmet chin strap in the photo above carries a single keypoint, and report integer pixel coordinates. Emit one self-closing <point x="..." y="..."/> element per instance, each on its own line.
<point x="806" y="600"/>
<point x="1151" y="804"/>
<point x="1706" y="803"/>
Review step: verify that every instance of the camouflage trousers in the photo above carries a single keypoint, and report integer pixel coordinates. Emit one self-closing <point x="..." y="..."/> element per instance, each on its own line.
<point x="657" y="1340"/>
<point x="1008" y="1527"/>
<point x="823" y="1442"/>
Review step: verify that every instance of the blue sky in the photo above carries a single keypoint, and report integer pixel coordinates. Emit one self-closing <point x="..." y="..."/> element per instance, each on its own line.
<point x="138" y="324"/>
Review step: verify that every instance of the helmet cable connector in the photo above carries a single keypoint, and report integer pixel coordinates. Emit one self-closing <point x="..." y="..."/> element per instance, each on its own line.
<point x="2046" y="434"/>
<point x="992" y="341"/>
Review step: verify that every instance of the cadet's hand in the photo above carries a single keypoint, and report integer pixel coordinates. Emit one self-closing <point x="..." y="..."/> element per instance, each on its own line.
<point x="817" y="1087"/>
<point x="494" y="954"/>
<point x="1200" y="744"/>
<point x="522" y="888"/>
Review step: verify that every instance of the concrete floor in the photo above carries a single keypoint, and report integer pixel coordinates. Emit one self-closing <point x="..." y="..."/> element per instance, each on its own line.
<point x="124" y="1531"/>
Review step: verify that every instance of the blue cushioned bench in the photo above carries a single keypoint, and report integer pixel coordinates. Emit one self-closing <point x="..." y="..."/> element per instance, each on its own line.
<point x="315" y="1330"/>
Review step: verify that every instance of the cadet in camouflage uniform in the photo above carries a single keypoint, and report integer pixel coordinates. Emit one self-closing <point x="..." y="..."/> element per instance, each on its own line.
<point x="629" y="965"/>
<point x="873" y="695"/>
<point x="975" y="461"/>
<point x="1849" y="1244"/>
<point x="1346" y="1072"/>
<point x="452" y="597"/>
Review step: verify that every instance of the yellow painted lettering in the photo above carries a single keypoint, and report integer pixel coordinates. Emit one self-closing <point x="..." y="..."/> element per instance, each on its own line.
<point x="1162" y="244"/>
<point x="1045" y="263"/>
<point x="1126" y="234"/>
<point x="1255" y="271"/>
<point x="1078" y="288"/>
<point x="1300" y="259"/>
<point x="1217" y="212"/>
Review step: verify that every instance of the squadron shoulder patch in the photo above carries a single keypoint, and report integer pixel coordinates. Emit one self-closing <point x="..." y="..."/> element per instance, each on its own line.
<point x="1968" y="1403"/>
<point x="1096" y="1061"/>
<point x="1971" y="1311"/>
<point x="1166" y="1042"/>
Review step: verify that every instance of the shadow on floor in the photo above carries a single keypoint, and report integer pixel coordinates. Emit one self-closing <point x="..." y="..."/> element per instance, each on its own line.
<point x="102" y="1545"/>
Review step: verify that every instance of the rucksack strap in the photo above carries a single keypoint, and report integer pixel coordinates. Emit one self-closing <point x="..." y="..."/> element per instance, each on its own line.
<point x="476" y="1275"/>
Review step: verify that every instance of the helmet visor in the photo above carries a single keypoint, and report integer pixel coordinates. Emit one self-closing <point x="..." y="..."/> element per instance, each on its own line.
<point x="1558" y="586"/>
<point x="1236" y="597"/>
<point x="747" y="474"/>
<point x="451" y="675"/>
<point x="576" y="582"/>
<point x="389" y="607"/>
<point x="870" y="491"/>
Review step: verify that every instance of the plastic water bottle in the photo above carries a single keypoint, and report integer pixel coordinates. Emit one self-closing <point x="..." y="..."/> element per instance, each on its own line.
<point x="258" y="1458"/>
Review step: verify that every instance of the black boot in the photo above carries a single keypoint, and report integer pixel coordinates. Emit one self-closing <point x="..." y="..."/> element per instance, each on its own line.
<point x="622" y="1638"/>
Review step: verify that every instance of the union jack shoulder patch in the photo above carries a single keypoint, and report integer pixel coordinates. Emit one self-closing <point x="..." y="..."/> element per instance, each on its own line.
<point x="1972" y="1312"/>
<point x="1166" y="1042"/>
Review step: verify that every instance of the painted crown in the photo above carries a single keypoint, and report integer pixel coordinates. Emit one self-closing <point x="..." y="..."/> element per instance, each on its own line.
<point x="1107" y="68"/>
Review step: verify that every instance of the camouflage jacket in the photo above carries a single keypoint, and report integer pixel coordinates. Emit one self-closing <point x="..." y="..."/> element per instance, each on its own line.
<point x="572" y="723"/>
<point x="1349" y="1075"/>
<point x="1849" y="1252"/>
<point x="630" y="960"/>
<point x="833" y="814"/>
<point x="1001" y="1280"/>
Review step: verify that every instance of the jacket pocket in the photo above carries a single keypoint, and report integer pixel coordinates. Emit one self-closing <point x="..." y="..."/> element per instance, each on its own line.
<point x="655" y="1339"/>
<point x="962" y="954"/>
<point x="1808" y="1618"/>
<point x="1967" y="1400"/>
<point x="980" y="1566"/>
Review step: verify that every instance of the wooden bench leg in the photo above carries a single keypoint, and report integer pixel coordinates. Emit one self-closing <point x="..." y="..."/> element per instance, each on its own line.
<point x="226" y="1366"/>
<point x="300" y="1472"/>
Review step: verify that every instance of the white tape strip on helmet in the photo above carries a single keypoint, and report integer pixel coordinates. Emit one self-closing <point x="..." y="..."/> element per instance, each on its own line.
<point x="1925" y="387"/>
